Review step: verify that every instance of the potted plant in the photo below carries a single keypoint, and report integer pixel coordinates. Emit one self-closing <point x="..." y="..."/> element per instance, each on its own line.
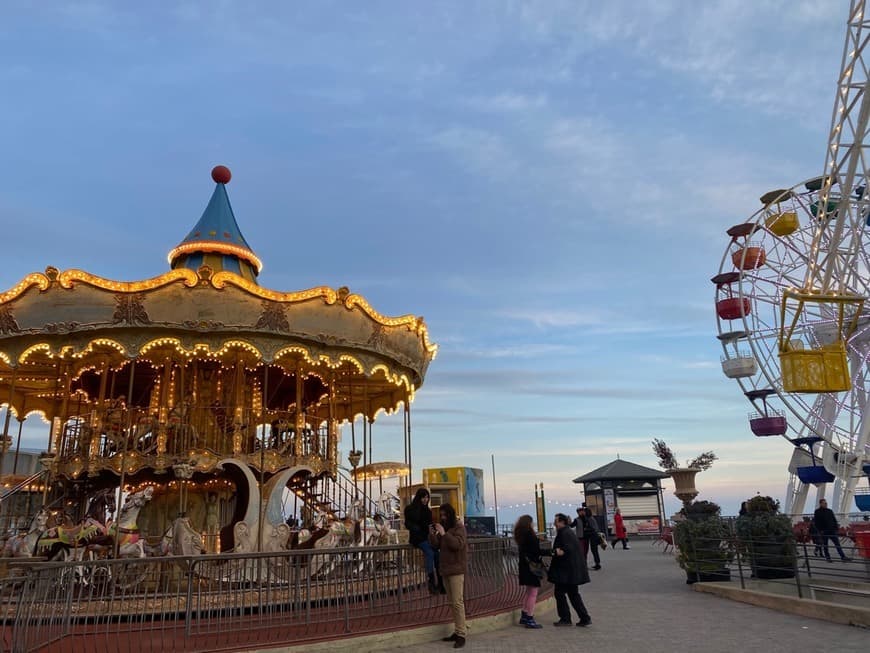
<point x="704" y="543"/>
<point x="767" y="538"/>
<point x="684" y="477"/>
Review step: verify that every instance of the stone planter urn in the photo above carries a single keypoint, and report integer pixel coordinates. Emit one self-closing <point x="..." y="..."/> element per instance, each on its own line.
<point x="684" y="483"/>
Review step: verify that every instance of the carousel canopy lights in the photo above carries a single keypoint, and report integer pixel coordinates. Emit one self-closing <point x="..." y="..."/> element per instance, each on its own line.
<point x="380" y="470"/>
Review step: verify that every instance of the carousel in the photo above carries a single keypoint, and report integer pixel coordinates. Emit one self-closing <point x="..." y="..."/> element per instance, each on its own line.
<point x="206" y="404"/>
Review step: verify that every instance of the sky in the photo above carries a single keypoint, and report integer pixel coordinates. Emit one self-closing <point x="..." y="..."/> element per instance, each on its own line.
<point x="547" y="183"/>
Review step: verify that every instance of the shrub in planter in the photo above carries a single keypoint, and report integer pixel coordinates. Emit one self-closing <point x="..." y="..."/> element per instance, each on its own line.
<point x="700" y="510"/>
<point x="767" y="539"/>
<point x="704" y="543"/>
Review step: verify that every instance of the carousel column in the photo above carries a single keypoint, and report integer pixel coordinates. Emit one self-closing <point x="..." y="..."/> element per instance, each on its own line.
<point x="60" y="414"/>
<point x="238" y="400"/>
<point x="298" y="450"/>
<point x="97" y="422"/>
<point x="163" y="416"/>
<point x="4" y="445"/>
<point x="332" y="431"/>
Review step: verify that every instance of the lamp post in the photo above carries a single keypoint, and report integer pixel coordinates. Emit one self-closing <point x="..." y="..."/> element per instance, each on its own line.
<point x="353" y="458"/>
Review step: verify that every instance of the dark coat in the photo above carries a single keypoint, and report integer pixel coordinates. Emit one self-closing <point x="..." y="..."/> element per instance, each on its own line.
<point x="570" y="567"/>
<point x="418" y="518"/>
<point x="825" y="521"/>
<point x="529" y="548"/>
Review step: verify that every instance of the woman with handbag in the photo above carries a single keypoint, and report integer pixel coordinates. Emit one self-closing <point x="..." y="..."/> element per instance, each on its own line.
<point x="531" y="568"/>
<point x="567" y="571"/>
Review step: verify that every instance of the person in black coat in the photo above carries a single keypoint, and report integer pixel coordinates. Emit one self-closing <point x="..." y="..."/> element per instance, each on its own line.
<point x="567" y="571"/>
<point x="529" y="550"/>
<point x="828" y="528"/>
<point x="418" y="521"/>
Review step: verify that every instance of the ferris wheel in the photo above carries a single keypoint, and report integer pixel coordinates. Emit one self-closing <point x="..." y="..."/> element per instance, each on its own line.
<point x="790" y="304"/>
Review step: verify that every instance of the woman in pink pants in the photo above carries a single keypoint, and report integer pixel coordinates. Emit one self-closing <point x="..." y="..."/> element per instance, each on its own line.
<point x="529" y="551"/>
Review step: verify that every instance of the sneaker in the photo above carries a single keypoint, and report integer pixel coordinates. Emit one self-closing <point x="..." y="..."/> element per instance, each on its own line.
<point x="584" y="622"/>
<point x="561" y="623"/>
<point x="452" y="638"/>
<point x="531" y="623"/>
<point x="626" y="547"/>
<point x="846" y="559"/>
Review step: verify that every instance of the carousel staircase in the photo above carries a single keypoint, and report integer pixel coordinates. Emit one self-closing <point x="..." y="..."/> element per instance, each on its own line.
<point x="333" y="495"/>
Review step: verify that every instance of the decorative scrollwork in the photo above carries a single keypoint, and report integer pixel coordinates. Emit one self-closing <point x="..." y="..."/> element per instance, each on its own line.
<point x="61" y="327"/>
<point x="7" y="321"/>
<point x="203" y="325"/>
<point x="273" y="318"/>
<point x="129" y="310"/>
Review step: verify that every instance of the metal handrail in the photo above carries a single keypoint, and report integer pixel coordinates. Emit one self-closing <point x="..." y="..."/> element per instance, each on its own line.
<point x="30" y="480"/>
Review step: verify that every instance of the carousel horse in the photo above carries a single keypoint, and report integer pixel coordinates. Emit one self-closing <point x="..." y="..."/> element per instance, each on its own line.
<point x="23" y="545"/>
<point x="388" y="505"/>
<point x="69" y="540"/>
<point x="130" y="544"/>
<point x="180" y="539"/>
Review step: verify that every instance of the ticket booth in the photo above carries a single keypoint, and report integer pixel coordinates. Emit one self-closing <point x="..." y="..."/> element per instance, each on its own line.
<point x="461" y="487"/>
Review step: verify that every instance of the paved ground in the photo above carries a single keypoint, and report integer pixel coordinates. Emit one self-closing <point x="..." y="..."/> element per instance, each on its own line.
<point x="639" y="602"/>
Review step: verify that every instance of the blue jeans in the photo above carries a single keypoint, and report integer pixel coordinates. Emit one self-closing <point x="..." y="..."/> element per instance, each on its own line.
<point x="429" y="554"/>
<point x="836" y="542"/>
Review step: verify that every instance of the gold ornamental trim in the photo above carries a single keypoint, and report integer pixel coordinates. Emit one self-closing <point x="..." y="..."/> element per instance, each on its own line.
<point x="36" y="279"/>
<point x="223" y="278"/>
<point x="218" y="247"/>
<point x="68" y="278"/>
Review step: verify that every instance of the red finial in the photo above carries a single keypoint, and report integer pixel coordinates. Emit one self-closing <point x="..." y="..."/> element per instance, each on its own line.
<point x="221" y="174"/>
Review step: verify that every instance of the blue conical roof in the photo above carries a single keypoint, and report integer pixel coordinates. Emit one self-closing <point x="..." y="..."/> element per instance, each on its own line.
<point x="216" y="239"/>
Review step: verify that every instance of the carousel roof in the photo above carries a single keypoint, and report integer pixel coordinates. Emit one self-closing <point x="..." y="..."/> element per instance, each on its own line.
<point x="214" y="310"/>
<point x="216" y="239"/>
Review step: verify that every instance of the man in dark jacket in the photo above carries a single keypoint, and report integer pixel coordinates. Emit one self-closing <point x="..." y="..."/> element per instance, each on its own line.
<point x="826" y="524"/>
<point x="567" y="571"/>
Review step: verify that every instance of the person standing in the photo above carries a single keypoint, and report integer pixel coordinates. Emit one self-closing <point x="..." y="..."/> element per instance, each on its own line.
<point x="567" y="571"/>
<point x="593" y="538"/>
<point x="587" y="534"/>
<point x="529" y="550"/>
<point x="449" y="537"/>
<point x="828" y="529"/>
<point x="418" y="521"/>
<point x="619" y="532"/>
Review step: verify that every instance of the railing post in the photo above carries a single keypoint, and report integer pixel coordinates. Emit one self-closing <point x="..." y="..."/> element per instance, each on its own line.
<point x="345" y="559"/>
<point x="791" y="544"/>
<point x="737" y="549"/>
<point x="188" y="612"/>
<point x="807" y="561"/>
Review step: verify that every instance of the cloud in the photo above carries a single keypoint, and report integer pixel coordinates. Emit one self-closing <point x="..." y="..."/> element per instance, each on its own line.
<point x="478" y="150"/>
<point x="506" y="102"/>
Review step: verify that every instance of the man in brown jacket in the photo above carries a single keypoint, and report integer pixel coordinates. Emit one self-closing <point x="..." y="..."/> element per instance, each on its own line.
<point x="450" y="539"/>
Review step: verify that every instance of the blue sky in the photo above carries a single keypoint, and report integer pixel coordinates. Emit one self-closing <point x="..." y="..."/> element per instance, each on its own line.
<point x="547" y="183"/>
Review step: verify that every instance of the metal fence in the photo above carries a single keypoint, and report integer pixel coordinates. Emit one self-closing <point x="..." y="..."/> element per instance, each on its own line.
<point x="234" y="602"/>
<point x="784" y="564"/>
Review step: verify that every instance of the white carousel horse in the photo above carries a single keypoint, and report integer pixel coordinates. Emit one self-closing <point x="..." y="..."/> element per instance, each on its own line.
<point x="24" y="544"/>
<point x="130" y="544"/>
<point x="388" y="505"/>
<point x="180" y="539"/>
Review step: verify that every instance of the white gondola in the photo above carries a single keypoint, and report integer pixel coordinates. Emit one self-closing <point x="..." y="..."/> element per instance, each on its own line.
<point x="740" y="366"/>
